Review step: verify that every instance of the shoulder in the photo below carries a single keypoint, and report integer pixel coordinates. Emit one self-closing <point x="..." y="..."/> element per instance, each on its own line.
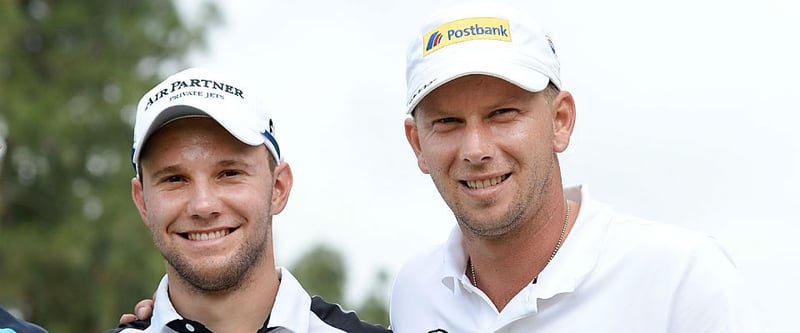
<point x="419" y="282"/>
<point x="424" y="271"/>
<point x="7" y="321"/>
<point x="659" y="238"/>
<point x="617" y="231"/>
<point x="663" y="251"/>
<point x="333" y="315"/>
<point x="602" y="229"/>
<point x="134" y="326"/>
<point x="432" y="263"/>
<point x="691" y="257"/>
<point x="420" y="270"/>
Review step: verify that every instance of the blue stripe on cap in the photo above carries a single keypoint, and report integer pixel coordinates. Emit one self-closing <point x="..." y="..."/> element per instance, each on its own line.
<point x="274" y="143"/>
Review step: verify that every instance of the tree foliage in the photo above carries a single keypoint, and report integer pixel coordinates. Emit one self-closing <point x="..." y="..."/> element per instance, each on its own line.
<point x="73" y="252"/>
<point x="322" y="271"/>
<point x="374" y="308"/>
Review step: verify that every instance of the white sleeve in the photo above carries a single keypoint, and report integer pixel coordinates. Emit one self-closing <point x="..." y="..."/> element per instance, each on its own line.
<point x="712" y="296"/>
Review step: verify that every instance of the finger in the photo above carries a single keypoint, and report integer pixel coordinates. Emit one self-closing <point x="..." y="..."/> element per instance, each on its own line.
<point x="144" y="309"/>
<point x="126" y="318"/>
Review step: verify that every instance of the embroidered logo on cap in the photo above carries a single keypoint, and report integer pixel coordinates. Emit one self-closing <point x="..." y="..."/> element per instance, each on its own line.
<point x="474" y="28"/>
<point x="206" y="90"/>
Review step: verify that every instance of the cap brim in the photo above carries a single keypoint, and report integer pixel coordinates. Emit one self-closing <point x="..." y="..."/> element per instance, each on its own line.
<point x="181" y="111"/>
<point x="525" y="78"/>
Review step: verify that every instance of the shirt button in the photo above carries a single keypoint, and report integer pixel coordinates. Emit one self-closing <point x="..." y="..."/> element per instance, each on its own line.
<point x="189" y="327"/>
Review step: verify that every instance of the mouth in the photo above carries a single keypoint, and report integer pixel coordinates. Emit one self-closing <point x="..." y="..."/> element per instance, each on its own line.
<point x="484" y="183"/>
<point x="203" y="236"/>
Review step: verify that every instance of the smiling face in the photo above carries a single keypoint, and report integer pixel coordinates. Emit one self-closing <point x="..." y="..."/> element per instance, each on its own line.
<point x="490" y="147"/>
<point x="208" y="200"/>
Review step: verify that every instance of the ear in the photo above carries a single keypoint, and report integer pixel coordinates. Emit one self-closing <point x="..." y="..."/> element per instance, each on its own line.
<point x="138" y="198"/>
<point x="563" y="120"/>
<point x="281" y="186"/>
<point x="412" y="135"/>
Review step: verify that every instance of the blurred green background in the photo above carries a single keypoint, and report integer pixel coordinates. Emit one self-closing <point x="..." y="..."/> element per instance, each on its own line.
<point x="73" y="252"/>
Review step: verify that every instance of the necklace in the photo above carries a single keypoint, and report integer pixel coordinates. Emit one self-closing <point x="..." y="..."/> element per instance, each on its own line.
<point x="558" y="246"/>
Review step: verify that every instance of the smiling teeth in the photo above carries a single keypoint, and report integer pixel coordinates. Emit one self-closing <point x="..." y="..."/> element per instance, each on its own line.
<point x="479" y="184"/>
<point x="208" y="235"/>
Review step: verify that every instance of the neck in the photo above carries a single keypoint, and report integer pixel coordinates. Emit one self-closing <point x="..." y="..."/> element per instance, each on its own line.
<point x="503" y="267"/>
<point x="255" y="294"/>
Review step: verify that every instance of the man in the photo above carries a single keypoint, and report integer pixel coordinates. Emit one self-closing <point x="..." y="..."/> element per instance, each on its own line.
<point x="488" y="118"/>
<point x="209" y="178"/>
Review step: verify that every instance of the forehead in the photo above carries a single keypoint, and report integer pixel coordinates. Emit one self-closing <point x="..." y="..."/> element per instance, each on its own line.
<point x="190" y="127"/>
<point x="473" y="90"/>
<point x="201" y="133"/>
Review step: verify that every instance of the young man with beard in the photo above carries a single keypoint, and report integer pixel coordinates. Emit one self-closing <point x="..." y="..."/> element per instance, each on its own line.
<point x="488" y="119"/>
<point x="209" y="179"/>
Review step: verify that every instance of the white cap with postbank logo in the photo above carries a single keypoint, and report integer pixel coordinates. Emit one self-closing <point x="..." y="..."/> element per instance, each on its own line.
<point x="480" y="38"/>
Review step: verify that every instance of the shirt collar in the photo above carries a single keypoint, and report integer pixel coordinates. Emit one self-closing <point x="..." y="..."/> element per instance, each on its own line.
<point x="163" y="311"/>
<point x="581" y="249"/>
<point x="290" y="310"/>
<point x="454" y="262"/>
<point x="292" y="304"/>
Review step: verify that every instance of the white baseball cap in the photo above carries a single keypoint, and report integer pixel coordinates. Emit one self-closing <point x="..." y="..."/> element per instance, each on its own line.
<point x="197" y="92"/>
<point x="480" y="38"/>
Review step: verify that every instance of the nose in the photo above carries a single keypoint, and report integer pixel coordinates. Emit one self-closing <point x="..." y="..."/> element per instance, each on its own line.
<point x="203" y="203"/>
<point x="476" y="144"/>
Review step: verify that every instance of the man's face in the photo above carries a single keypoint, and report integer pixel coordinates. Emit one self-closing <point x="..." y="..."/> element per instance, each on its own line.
<point x="489" y="147"/>
<point x="208" y="200"/>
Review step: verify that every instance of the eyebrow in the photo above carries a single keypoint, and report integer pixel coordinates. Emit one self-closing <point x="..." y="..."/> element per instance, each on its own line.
<point x="513" y="99"/>
<point x="233" y="162"/>
<point x="166" y="170"/>
<point x="175" y="168"/>
<point x="509" y="100"/>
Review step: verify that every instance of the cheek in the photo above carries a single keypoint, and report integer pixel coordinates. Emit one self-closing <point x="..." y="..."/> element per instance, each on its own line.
<point x="159" y="209"/>
<point x="254" y="198"/>
<point x="436" y="160"/>
<point x="153" y="217"/>
<point x="439" y="148"/>
<point x="527" y="137"/>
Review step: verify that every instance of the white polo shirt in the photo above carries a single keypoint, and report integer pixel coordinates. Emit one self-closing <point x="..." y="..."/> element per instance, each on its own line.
<point x="294" y="311"/>
<point x="613" y="273"/>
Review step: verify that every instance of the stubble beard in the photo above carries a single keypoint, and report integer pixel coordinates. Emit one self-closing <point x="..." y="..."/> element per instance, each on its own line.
<point x="491" y="229"/>
<point x="524" y="204"/>
<point x="227" y="278"/>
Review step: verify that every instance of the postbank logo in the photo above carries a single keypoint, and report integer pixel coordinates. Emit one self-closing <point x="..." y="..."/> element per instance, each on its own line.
<point x="473" y="28"/>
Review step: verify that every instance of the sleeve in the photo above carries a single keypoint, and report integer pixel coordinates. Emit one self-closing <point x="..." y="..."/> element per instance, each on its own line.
<point x="7" y="321"/>
<point x="347" y="321"/>
<point x="712" y="296"/>
<point x="140" y="325"/>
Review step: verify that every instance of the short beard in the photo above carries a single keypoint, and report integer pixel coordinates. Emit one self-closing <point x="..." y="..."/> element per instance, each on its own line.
<point x="511" y="221"/>
<point x="505" y="226"/>
<point x="231" y="278"/>
<point x="527" y="203"/>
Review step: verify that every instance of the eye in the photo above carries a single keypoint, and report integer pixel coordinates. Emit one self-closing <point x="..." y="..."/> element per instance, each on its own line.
<point x="504" y="115"/>
<point x="173" y="179"/>
<point x="501" y="112"/>
<point x="445" y="124"/>
<point x="170" y="181"/>
<point x="230" y="173"/>
<point x="447" y="120"/>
